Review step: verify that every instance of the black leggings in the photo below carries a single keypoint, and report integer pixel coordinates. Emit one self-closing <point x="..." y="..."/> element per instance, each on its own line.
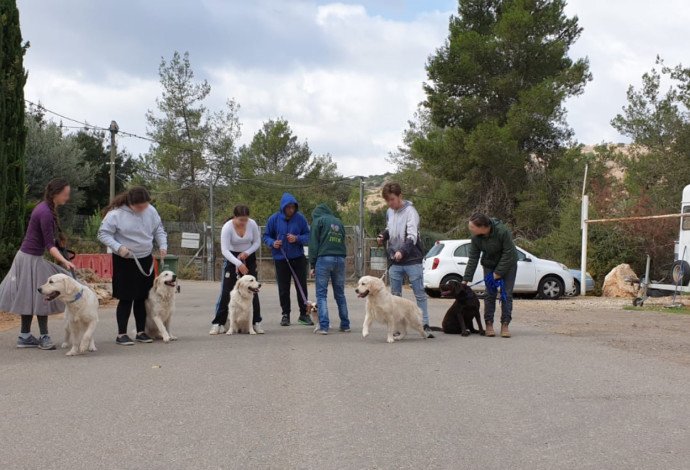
<point x="42" y="323"/>
<point x="124" y="307"/>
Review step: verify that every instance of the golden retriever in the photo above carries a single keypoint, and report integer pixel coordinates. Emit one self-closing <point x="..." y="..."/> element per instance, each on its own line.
<point x="241" y="310"/>
<point x="160" y="307"/>
<point x="395" y="312"/>
<point x="81" y="311"/>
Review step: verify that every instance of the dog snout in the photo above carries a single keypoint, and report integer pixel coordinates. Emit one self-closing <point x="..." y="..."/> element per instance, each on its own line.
<point x="40" y="290"/>
<point x="259" y="285"/>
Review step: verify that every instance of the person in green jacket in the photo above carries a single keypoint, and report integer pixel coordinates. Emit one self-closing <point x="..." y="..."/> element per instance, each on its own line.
<point x="494" y="242"/>
<point x="327" y="252"/>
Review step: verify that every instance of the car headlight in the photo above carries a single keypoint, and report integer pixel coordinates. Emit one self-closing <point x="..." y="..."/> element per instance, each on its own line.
<point x="565" y="268"/>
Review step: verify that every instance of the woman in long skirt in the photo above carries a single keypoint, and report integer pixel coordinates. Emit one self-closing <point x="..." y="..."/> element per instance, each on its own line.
<point x="18" y="291"/>
<point x="129" y="228"/>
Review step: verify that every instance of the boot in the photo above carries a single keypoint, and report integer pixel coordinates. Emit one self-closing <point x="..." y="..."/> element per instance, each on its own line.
<point x="505" y="333"/>
<point x="490" y="329"/>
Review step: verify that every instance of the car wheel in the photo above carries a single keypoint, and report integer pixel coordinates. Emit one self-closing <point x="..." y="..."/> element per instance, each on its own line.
<point x="551" y="288"/>
<point x="576" y="288"/>
<point x="451" y="277"/>
<point x="679" y="266"/>
<point x="433" y="293"/>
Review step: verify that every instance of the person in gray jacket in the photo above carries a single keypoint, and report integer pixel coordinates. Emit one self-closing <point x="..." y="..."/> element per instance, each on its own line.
<point x="129" y="226"/>
<point x="404" y="247"/>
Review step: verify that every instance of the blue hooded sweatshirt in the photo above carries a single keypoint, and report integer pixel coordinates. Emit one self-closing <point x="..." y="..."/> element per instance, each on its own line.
<point x="278" y="226"/>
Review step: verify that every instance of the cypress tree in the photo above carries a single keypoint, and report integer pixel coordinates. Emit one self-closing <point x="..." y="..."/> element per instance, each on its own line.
<point x="12" y="133"/>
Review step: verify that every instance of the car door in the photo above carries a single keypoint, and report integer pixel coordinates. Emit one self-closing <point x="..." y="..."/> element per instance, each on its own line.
<point x="461" y="257"/>
<point x="526" y="273"/>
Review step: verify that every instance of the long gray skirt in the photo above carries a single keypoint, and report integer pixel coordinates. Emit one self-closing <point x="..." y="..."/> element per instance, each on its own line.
<point x="18" y="291"/>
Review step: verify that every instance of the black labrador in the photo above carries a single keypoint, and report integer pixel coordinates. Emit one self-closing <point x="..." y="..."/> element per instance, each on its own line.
<point x="458" y="319"/>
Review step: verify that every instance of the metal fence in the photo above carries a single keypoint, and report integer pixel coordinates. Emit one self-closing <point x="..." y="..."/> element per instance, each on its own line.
<point x="364" y="256"/>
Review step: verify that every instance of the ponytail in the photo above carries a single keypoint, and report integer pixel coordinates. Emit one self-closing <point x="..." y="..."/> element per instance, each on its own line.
<point x="134" y="195"/>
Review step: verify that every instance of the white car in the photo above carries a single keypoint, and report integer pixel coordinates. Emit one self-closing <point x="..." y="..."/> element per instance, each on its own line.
<point x="448" y="259"/>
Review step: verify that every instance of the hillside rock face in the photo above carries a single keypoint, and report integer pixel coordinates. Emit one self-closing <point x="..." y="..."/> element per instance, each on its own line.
<point x="615" y="284"/>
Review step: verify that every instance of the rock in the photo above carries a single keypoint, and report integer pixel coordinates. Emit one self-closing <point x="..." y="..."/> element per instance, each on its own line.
<point x="615" y="284"/>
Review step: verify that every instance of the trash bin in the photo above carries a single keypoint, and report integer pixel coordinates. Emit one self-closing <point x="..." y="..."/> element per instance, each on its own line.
<point x="169" y="264"/>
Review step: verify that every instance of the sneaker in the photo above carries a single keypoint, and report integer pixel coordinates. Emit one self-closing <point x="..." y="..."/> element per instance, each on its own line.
<point x="285" y="321"/>
<point x="144" y="338"/>
<point x="222" y="329"/>
<point x="124" y="340"/>
<point x="258" y="329"/>
<point x="322" y="332"/>
<point x="46" y="343"/>
<point x="30" y="342"/>
<point x="215" y="330"/>
<point x="305" y="320"/>
<point x="427" y="330"/>
<point x="345" y="330"/>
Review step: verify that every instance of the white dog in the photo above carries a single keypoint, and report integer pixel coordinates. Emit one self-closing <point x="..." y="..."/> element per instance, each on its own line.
<point x="241" y="311"/>
<point x="160" y="307"/>
<point x="397" y="313"/>
<point x="81" y="312"/>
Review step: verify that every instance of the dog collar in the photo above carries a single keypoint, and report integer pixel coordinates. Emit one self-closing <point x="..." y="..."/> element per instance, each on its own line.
<point x="81" y="292"/>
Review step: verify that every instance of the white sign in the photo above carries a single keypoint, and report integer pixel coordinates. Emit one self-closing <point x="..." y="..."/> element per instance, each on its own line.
<point x="190" y="240"/>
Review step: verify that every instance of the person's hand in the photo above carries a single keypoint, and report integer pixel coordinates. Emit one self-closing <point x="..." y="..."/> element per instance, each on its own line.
<point x="379" y="239"/>
<point x="242" y="256"/>
<point x="124" y="252"/>
<point x="398" y="256"/>
<point x="164" y="253"/>
<point x="312" y="273"/>
<point x="464" y="283"/>
<point x="277" y="244"/>
<point x="496" y="277"/>
<point x="243" y="269"/>
<point x="68" y="264"/>
<point x="291" y="238"/>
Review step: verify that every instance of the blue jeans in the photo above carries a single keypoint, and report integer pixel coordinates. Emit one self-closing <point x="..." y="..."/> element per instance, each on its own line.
<point x="333" y="268"/>
<point x="416" y="274"/>
<point x="507" y="306"/>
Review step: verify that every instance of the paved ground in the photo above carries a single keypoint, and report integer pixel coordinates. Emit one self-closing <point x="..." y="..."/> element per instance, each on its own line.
<point x="293" y="400"/>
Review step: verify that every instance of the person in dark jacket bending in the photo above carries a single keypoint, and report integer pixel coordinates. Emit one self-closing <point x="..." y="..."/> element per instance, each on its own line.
<point x="494" y="242"/>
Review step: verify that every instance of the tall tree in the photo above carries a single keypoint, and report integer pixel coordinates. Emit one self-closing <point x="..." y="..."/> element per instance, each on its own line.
<point x="275" y="162"/>
<point x="12" y="132"/>
<point x="495" y="101"/>
<point x="195" y="148"/>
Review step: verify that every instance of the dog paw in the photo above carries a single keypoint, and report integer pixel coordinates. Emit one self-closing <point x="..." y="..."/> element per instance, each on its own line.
<point x="390" y="340"/>
<point x="229" y="333"/>
<point x="92" y="349"/>
<point x="465" y="333"/>
<point x="482" y="333"/>
<point x="65" y="345"/>
<point x="166" y="340"/>
<point x="365" y="334"/>
<point x="252" y="332"/>
<point x="71" y="352"/>
<point x="173" y="338"/>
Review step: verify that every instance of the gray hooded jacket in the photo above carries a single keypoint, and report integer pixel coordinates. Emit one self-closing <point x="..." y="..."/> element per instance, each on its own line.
<point x="402" y="233"/>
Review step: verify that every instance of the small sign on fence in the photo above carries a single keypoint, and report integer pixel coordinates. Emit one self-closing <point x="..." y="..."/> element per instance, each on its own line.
<point x="377" y="258"/>
<point x="190" y="240"/>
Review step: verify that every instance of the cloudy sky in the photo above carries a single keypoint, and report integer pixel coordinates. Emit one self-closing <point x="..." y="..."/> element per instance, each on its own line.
<point x="347" y="75"/>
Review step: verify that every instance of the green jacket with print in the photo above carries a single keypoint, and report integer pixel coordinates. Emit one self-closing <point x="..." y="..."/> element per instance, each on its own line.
<point x="497" y="250"/>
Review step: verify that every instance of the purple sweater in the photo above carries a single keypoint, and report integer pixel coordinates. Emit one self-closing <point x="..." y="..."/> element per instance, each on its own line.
<point x="40" y="234"/>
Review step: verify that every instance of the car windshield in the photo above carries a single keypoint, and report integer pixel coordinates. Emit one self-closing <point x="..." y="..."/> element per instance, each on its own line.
<point x="436" y="249"/>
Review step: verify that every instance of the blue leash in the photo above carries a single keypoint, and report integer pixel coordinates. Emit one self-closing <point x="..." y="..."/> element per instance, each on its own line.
<point x="492" y="286"/>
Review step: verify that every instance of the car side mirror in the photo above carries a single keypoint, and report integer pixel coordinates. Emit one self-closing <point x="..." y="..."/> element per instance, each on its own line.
<point x="527" y="260"/>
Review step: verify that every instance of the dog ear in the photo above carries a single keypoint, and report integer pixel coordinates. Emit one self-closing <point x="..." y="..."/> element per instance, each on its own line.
<point x="69" y="286"/>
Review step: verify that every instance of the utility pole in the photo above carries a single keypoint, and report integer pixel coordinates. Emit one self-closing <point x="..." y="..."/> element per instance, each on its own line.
<point x="212" y="251"/>
<point x="114" y="128"/>
<point x="360" y="258"/>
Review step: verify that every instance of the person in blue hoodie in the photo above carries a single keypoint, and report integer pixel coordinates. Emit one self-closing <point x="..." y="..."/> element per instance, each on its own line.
<point x="287" y="231"/>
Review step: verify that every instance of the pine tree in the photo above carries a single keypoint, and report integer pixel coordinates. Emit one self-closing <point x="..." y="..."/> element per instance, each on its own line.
<point x="495" y="105"/>
<point x="12" y="133"/>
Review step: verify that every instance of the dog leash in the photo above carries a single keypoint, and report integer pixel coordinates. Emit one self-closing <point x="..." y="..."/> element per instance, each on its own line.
<point x="294" y="276"/>
<point x="141" y="269"/>
<point x="492" y="286"/>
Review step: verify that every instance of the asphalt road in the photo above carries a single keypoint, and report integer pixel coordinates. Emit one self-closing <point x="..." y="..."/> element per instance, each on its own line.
<point x="290" y="399"/>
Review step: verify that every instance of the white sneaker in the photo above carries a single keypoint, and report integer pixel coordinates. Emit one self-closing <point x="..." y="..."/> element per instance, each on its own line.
<point x="215" y="330"/>
<point x="222" y="329"/>
<point x="258" y="329"/>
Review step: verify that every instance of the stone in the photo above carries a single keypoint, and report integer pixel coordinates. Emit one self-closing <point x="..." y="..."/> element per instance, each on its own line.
<point x="615" y="284"/>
